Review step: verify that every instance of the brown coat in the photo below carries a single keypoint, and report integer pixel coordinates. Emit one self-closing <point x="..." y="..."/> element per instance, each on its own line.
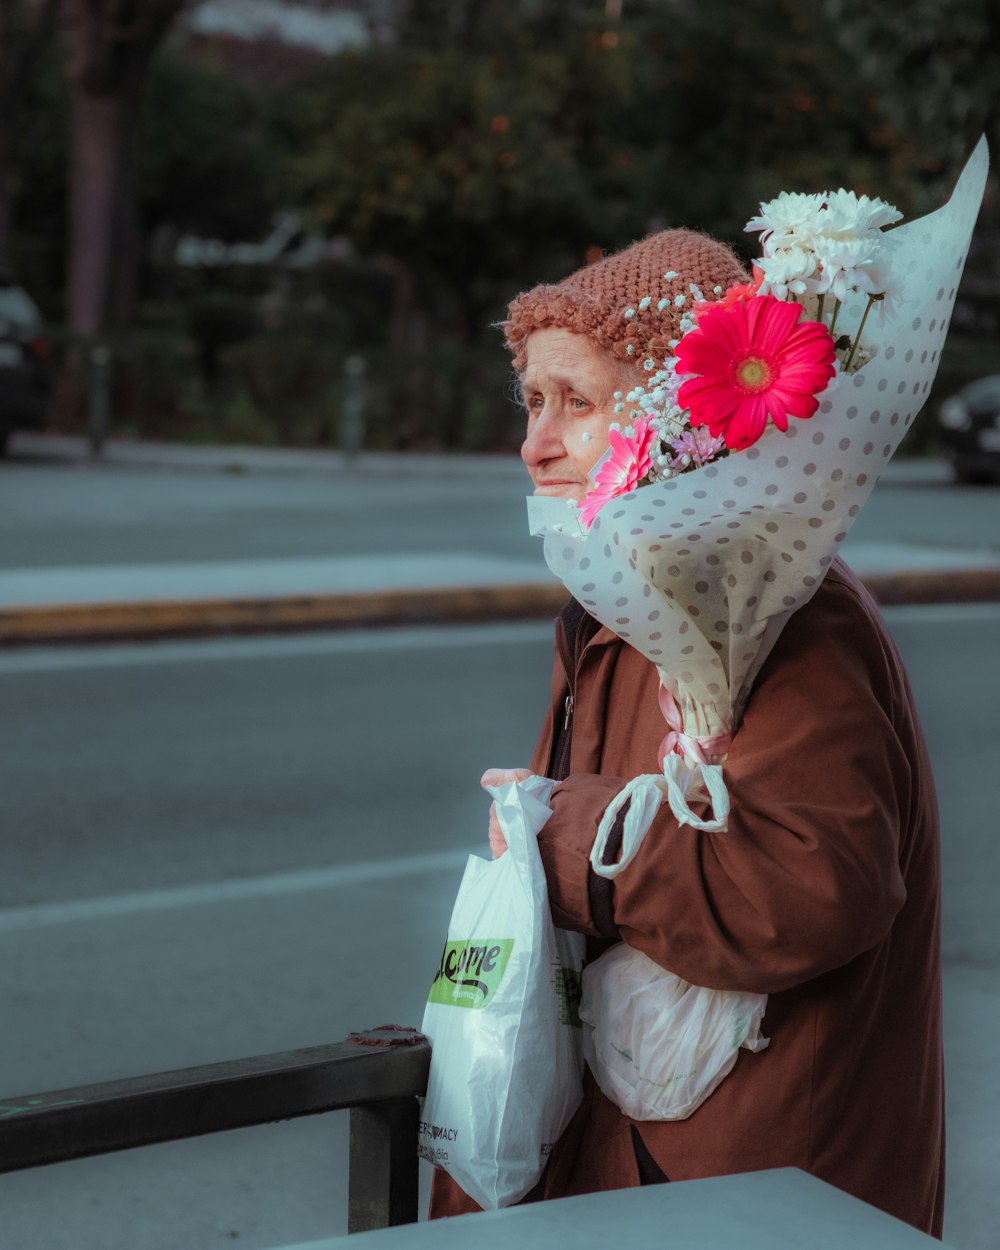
<point x="824" y="894"/>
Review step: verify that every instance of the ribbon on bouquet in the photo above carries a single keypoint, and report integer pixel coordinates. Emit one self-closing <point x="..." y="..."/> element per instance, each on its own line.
<point x="677" y="742"/>
<point x="687" y="777"/>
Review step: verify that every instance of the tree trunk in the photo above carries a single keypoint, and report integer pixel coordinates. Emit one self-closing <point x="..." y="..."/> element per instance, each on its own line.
<point x="126" y="237"/>
<point x="103" y="242"/>
<point x="114" y="41"/>
<point x="95" y="138"/>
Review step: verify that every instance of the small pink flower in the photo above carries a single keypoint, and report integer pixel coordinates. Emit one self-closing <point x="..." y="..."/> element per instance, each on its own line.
<point x="624" y="469"/>
<point x="695" y="448"/>
<point x="735" y="294"/>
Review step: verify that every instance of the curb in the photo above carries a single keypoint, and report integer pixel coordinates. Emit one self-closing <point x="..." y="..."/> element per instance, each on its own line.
<point x="916" y="586"/>
<point x="117" y="622"/>
<point x="146" y="621"/>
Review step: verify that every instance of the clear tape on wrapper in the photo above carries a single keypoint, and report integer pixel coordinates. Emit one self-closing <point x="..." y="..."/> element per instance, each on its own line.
<point x="681" y="783"/>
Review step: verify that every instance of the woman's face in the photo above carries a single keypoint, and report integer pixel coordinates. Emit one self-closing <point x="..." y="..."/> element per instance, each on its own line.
<point x="568" y="387"/>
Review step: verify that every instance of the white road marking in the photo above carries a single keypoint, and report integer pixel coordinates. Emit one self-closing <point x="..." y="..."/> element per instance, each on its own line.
<point x="301" y="881"/>
<point x="212" y="650"/>
<point x="347" y="643"/>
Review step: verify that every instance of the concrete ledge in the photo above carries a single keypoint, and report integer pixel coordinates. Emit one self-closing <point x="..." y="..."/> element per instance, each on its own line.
<point x="107" y="622"/>
<point x="935" y="586"/>
<point x="147" y="620"/>
<point x="771" y="1210"/>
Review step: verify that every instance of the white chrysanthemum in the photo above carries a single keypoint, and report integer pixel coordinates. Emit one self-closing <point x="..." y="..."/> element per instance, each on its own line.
<point x="792" y="271"/>
<point x="788" y="213"/>
<point x="882" y="271"/>
<point x="848" y="213"/>
<point x="850" y="264"/>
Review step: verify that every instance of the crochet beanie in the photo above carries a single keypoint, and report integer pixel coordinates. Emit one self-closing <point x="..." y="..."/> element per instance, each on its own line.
<point x="593" y="300"/>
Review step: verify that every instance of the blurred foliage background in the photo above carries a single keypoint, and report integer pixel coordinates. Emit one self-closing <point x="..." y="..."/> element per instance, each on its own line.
<point x="237" y="216"/>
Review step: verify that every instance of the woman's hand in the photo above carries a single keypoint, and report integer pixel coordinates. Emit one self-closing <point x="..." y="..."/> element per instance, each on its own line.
<point x="499" y="777"/>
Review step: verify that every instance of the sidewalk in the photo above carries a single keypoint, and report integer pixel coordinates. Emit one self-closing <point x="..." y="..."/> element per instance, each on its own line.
<point x="138" y="601"/>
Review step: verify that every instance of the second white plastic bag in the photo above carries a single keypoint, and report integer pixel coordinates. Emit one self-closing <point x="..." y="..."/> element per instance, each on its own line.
<point x="659" y="1046"/>
<point x="506" y="1059"/>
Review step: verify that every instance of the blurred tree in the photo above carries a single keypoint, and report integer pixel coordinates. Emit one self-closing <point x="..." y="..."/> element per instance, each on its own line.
<point x="498" y="143"/>
<point x="471" y="165"/>
<point x="533" y="138"/>
<point x="26" y="30"/>
<point x="464" y="172"/>
<point x="934" y="66"/>
<point x="211" y="155"/>
<point x="476" y="147"/>
<point x="112" y="43"/>
<point x="749" y="100"/>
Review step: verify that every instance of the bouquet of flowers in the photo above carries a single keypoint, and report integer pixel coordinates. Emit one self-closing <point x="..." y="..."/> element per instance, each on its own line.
<point x="744" y="458"/>
<point x="760" y="351"/>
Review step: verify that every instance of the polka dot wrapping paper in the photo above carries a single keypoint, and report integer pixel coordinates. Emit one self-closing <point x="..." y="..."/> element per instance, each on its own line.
<point x="701" y="572"/>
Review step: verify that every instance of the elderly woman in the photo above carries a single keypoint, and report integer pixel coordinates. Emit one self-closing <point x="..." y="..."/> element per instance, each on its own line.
<point x="824" y="891"/>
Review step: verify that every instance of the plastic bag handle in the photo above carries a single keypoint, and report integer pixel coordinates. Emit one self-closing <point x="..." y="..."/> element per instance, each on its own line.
<point x="679" y="782"/>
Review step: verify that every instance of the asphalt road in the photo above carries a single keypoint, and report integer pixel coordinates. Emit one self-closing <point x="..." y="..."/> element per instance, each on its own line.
<point x="136" y="768"/>
<point x="97" y="515"/>
<point x="213" y="849"/>
<point x="59" y="516"/>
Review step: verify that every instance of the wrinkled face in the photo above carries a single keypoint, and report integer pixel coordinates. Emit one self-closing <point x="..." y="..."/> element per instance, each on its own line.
<point x="568" y="387"/>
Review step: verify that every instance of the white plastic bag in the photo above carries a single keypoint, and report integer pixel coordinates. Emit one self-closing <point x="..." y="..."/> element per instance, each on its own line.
<point x="659" y="1046"/>
<point x="506" y="1061"/>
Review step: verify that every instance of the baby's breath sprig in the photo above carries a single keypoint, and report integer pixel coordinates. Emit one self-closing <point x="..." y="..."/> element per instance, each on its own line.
<point x="678" y="448"/>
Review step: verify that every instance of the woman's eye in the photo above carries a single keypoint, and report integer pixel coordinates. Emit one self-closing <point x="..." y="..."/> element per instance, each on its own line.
<point x="578" y="403"/>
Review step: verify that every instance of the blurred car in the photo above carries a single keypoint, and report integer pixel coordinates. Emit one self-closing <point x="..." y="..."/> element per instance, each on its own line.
<point x="969" y="422"/>
<point x="24" y="362"/>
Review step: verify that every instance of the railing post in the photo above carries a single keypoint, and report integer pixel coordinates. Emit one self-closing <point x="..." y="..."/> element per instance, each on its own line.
<point x="383" y="1165"/>
<point x="98" y="396"/>
<point x="352" y="407"/>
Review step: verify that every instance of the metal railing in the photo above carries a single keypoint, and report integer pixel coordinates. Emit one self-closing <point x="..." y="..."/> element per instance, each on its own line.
<point x="377" y="1075"/>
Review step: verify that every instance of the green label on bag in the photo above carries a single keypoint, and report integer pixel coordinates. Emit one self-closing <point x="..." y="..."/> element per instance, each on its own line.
<point x="470" y="971"/>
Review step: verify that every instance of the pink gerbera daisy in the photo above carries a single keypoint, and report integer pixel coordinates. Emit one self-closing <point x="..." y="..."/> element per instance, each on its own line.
<point x="751" y="361"/>
<point x="629" y="462"/>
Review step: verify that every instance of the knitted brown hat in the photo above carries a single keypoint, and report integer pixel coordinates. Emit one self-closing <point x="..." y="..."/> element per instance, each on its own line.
<point x="593" y="300"/>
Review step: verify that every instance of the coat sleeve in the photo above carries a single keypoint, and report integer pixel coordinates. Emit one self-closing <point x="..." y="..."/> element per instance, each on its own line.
<point x="807" y="876"/>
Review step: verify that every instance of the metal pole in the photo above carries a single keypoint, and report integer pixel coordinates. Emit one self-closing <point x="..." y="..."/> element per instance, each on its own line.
<point x="383" y="1173"/>
<point x="352" y="407"/>
<point x="98" y="397"/>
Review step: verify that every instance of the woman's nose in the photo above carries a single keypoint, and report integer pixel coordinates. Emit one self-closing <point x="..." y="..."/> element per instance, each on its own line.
<point x="544" y="439"/>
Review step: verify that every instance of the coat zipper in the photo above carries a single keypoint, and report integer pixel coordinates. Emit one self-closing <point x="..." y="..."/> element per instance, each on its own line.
<point x="559" y="758"/>
<point x="560" y="762"/>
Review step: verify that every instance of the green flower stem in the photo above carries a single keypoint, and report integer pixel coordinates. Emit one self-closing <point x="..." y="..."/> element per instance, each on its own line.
<point x="833" y="319"/>
<point x="857" y="337"/>
<point x="820" y="302"/>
